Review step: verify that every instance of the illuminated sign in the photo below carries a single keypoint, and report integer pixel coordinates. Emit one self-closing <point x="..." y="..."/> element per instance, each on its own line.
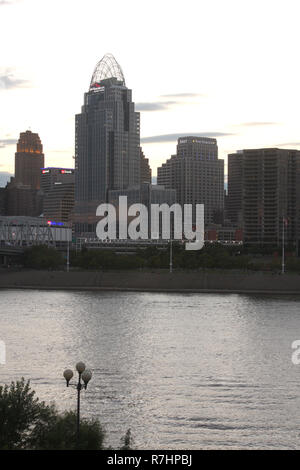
<point x="51" y="223"/>
<point x="45" y="171"/>
<point x="66" y="172"/>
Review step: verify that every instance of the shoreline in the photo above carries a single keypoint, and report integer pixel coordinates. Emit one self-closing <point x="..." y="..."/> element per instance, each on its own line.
<point x="202" y="281"/>
<point x="166" y="291"/>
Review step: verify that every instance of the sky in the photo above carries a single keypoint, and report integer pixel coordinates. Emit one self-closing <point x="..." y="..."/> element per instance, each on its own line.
<point x="225" y="69"/>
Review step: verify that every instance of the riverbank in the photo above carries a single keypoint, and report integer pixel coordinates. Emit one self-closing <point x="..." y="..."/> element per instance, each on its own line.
<point x="218" y="281"/>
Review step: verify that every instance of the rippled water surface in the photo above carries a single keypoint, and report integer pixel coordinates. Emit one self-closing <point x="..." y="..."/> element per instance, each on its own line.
<point x="195" y="371"/>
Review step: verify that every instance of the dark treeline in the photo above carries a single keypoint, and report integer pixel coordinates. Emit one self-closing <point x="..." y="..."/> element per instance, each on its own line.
<point x="212" y="256"/>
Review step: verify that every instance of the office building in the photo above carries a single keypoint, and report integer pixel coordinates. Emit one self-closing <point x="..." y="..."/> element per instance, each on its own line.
<point x="58" y="186"/>
<point x="22" y="200"/>
<point x="234" y="200"/>
<point x="23" y="196"/>
<point x="51" y="175"/>
<point x="107" y="143"/>
<point x="197" y="175"/>
<point x="29" y="159"/>
<point x="146" y="173"/>
<point x="264" y="190"/>
<point x="2" y="201"/>
<point x="145" y="194"/>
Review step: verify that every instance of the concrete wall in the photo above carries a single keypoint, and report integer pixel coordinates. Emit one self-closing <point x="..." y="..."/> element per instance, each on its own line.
<point x="156" y="280"/>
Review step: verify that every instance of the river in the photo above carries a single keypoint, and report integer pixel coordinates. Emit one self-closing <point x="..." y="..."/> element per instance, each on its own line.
<point x="183" y="371"/>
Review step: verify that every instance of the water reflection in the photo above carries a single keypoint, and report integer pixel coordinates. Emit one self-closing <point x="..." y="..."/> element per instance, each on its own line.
<point x="182" y="371"/>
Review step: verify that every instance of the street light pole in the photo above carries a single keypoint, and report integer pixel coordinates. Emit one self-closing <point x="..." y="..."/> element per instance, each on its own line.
<point x="85" y="375"/>
<point x="78" y="410"/>
<point x="68" y="256"/>
<point x="282" y="260"/>
<point x="171" y="254"/>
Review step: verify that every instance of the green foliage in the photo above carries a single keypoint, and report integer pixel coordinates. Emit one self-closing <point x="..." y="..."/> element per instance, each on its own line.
<point x="59" y="433"/>
<point x="27" y="423"/>
<point x="102" y="259"/>
<point x="212" y="256"/>
<point x="293" y="264"/>
<point x="20" y="414"/>
<point x="42" y="257"/>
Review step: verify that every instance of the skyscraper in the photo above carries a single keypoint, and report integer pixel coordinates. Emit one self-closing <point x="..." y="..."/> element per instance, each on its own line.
<point x="146" y="173"/>
<point x="197" y="175"/>
<point x="58" y="185"/>
<point x="107" y="142"/>
<point x="29" y="159"/>
<point x="264" y="190"/>
<point x="235" y="188"/>
<point x="23" y="190"/>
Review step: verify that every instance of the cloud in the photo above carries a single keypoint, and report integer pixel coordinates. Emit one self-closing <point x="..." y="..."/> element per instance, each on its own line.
<point x="165" y="105"/>
<point x="257" y="123"/>
<point x="5" y="142"/>
<point x="288" y="144"/>
<point x="182" y="95"/>
<point x="8" y="2"/>
<point x="8" y="81"/>
<point x="155" y="106"/>
<point x="155" y="139"/>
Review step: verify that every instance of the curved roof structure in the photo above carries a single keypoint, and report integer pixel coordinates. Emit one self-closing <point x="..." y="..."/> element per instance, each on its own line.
<point x="107" y="67"/>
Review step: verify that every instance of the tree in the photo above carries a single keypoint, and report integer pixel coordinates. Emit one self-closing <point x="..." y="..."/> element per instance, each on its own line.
<point x="42" y="257"/>
<point x="20" y="412"/>
<point x="27" y="423"/>
<point x="59" y="434"/>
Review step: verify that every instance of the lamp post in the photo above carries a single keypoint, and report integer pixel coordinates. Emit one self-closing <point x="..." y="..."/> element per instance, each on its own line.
<point x="283" y="242"/>
<point x="171" y="255"/>
<point x="68" y="256"/>
<point x="68" y="246"/>
<point x="85" y="375"/>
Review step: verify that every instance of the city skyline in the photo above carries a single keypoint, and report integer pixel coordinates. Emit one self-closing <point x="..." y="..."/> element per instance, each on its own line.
<point x="241" y="90"/>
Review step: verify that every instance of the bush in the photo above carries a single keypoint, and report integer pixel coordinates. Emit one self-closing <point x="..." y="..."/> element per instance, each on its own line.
<point x="59" y="433"/>
<point x="27" y="423"/>
<point x="42" y="257"/>
<point x="293" y="264"/>
<point x="20" y="414"/>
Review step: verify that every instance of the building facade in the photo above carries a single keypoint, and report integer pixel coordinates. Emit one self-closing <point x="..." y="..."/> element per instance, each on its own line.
<point x="52" y="175"/>
<point x="234" y="200"/>
<point x="23" y="196"/>
<point x="197" y="175"/>
<point x="29" y="159"/>
<point x="58" y="186"/>
<point x="107" y="142"/>
<point x="264" y="192"/>
<point x="145" y="194"/>
<point x="146" y="173"/>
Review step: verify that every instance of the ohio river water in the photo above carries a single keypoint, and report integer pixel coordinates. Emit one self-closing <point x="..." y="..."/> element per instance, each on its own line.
<point x="195" y="371"/>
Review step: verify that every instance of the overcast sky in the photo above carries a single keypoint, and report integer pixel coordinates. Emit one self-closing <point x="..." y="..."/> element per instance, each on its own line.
<point x="223" y="68"/>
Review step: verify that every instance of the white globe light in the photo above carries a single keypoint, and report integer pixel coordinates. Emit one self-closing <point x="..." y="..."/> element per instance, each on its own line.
<point x="80" y="367"/>
<point x="68" y="374"/>
<point x="87" y="375"/>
